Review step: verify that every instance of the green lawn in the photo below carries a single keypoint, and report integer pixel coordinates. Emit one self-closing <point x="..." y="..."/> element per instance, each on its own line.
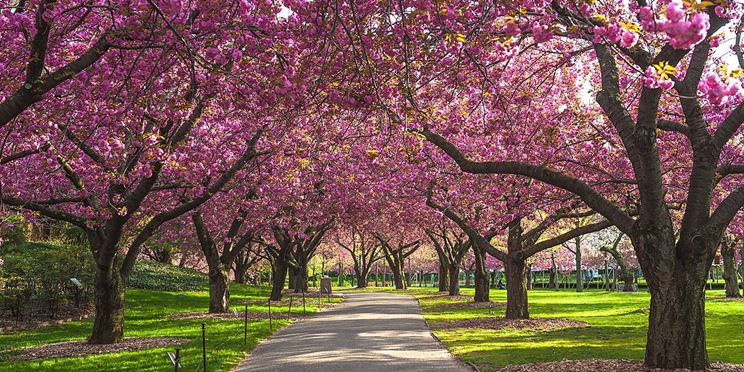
<point x="618" y="328"/>
<point x="145" y="316"/>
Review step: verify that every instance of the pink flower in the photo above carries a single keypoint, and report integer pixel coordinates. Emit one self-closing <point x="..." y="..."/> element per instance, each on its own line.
<point x="683" y="31"/>
<point x="718" y="91"/>
<point x="652" y="80"/>
<point x="628" y="39"/>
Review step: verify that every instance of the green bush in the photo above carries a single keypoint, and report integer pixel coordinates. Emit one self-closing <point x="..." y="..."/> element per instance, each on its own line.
<point x="39" y="274"/>
<point x="163" y="277"/>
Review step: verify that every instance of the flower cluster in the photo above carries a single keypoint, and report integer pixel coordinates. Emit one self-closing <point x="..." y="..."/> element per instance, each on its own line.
<point x="659" y="76"/>
<point x="624" y="33"/>
<point x="719" y="88"/>
<point x="683" y="26"/>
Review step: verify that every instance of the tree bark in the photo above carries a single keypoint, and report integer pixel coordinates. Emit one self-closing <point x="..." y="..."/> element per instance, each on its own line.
<point x="516" y="290"/>
<point x="482" y="288"/>
<point x="443" y="279"/>
<point x="278" y="277"/>
<point x="676" y="332"/>
<point x="300" y="278"/>
<point x="398" y="279"/>
<point x="219" y="291"/>
<point x="730" y="276"/>
<point x="454" y="280"/>
<point x="108" y="325"/>
<point x="362" y="279"/>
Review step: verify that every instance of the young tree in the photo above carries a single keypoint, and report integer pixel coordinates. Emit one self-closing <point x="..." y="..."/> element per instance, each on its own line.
<point x="451" y="247"/>
<point x="364" y="252"/>
<point x="396" y="254"/>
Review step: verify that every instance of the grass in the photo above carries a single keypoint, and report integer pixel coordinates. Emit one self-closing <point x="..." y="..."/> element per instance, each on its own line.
<point x="145" y="316"/>
<point x="618" y="327"/>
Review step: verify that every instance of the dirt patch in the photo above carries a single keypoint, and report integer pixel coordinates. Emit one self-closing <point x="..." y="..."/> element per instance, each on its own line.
<point x="252" y="315"/>
<point x="82" y="348"/>
<point x="9" y="324"/>
<point x="615" y="365"/>
<point x="446" y="295"/>
<point x="726" y="299"/>
<point x="473" y="305"/>
<point x="541" y="324"/>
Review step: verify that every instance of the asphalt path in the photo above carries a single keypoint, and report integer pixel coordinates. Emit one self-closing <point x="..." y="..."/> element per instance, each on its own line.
<point x="369" y="331"/>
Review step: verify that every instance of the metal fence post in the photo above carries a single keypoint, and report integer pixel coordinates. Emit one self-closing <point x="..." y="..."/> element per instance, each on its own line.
<point x="245" y="326"/>
<point x="204" y="348"/>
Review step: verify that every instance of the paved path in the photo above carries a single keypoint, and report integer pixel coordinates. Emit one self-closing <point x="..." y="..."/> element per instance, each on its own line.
<point x="367" y="332"/>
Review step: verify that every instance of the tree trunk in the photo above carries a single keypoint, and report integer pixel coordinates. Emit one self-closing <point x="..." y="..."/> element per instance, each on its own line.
<point x="467" y="279"/>
<point x="219" y="291"/>
<point x="278" y="277"/>
<point x="454" y="280"/>
<point x="362" y="279"/>
<point x="482" y="290"/>
<point x="676" y="332"/>
<point x="300" y="279"/>
<point x="443" y="277"/>
<point x="108" y="325"/>
<point x="516" y="290"/>
<point x="398" y="279"/>
<point x="728" y="253"/>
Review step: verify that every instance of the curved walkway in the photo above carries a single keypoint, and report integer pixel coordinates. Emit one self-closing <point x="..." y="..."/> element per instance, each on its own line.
<point x="367" y="332"/>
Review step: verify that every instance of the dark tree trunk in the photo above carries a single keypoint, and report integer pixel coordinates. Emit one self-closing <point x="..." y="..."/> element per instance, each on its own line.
<point x="291" y="278"/>
<point x="398" y="279"/>
<point x="108" y="325"/>
<point x="676" y="329"/>
<point x="730" y="276"/>
<point x="467" y="279"/>
<point x="482" y="290"/>
<point x="240" y="276"/>
<point x="676" y="332"/>
<point x="454" y="280"/>
<point x="219" y="291"/>
<point x="362" y="279"/>
<point x="516" y="290"/>
<point x="278" y="277"/>
<point x="408" y="279"/>
<point x="300" y="279"/>
<point x="443" y="277"/>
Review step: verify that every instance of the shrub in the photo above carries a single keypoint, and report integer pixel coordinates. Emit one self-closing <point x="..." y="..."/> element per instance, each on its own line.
<point x="163" y="277"/>
<point x="40" y="273"/>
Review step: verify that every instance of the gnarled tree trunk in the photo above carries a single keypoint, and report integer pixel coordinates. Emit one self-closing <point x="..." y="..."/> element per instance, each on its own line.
<point x="730" y="276"/>
<point x="482" y="290"/>
<point x="219" y="291"/>
<point x="108" y="324"/>
<point x="516" y="290"/>
<point x="453" y="274"/>
<point x="278" y="278"/>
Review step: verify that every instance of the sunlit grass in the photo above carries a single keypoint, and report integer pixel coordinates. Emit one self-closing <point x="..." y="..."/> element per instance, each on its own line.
<point x="618" y="327"/>
<point x="146" y="316"/>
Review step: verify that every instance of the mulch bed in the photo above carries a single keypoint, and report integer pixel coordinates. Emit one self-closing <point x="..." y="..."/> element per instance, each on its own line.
<point x="473" y="305"/>
<point x="615" y="365"/>
<point x="541" y="324"/>
<point x="82" y="348"/>
<point x="446" y="295"/>
<point x="252" y="315"/>
<point x="9" y="324"/>
<point x="726" y="299"/>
